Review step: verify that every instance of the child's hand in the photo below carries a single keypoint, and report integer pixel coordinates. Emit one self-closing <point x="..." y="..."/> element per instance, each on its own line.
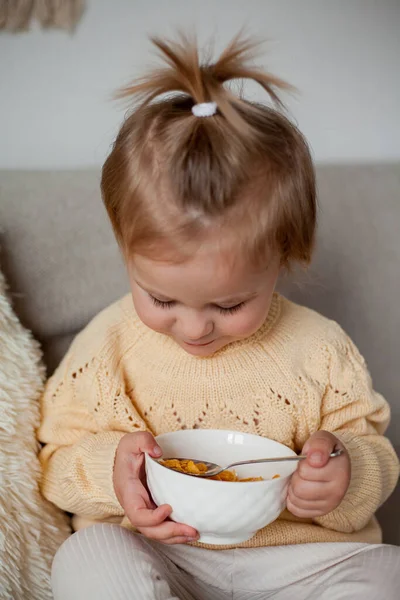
<point x="130" y="488"/>
<point x="319" y="484"/>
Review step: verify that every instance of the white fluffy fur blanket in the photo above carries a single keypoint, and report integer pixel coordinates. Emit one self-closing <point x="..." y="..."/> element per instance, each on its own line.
<point x="31" y="529"/>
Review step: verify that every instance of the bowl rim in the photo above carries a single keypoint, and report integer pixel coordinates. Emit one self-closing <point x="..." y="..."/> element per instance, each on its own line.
<point x="271" y="481"/>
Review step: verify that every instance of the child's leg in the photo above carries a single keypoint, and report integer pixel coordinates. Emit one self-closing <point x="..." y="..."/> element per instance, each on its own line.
<point x="372" y="574"/>
<point x="107" y="562"/>
<point x="318" y="572"/>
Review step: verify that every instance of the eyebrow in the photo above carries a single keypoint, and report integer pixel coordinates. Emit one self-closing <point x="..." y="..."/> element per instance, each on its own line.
<point x="232" y="300"/>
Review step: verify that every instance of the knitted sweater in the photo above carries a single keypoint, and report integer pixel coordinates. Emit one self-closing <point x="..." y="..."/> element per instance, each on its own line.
<point x="298" y="374"/>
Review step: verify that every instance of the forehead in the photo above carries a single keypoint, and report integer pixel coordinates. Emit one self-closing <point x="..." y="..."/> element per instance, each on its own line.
<point x="209" y="274"/>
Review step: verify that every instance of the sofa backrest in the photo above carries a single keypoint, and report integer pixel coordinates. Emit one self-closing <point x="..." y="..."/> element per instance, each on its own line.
<point x="63" y="265"/>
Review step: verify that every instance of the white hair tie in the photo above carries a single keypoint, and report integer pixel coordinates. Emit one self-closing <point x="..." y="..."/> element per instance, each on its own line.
<point x="204" y="109"/>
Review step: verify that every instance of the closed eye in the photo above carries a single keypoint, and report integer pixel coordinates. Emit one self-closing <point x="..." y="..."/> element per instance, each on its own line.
<point x="231" y="309"/>
<point x="160" y="303"/>
<point x="222" y="309"/>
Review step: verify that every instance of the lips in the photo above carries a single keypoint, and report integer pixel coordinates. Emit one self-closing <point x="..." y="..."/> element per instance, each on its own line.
<point x="198" y="345"/>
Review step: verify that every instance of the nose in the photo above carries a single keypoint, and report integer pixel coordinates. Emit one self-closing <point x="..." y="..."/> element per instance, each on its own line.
<point x="195" y="327"/>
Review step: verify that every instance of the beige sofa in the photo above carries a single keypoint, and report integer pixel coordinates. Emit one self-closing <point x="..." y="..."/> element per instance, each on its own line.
<point x="62" y="263"/>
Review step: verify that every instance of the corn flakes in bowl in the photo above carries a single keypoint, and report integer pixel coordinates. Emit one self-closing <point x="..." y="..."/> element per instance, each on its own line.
<point x="189" y="467"/>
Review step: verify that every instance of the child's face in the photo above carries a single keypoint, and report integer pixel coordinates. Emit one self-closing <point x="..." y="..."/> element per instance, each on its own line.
<point x="204" y="303"/>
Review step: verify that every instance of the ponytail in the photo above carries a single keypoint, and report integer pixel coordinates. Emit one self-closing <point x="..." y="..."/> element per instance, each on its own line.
<point x="205" y="162"/>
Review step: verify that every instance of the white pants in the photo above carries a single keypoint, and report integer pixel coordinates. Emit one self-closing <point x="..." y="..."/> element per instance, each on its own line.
<point x="107" y="562"/>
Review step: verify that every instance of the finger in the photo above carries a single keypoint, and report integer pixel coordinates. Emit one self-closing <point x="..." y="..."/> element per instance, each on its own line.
<point x="310" y="491"/>
<point x="320" y="507"/>
<point x="134" y="446"/>
<point x="130" y="468"/>
<point x="318" y="448"/>
<point x="309" y="473"/>
<point x="142" y="442"/>
<point x="303" y="513"/>
<point x="324" y="474"/>
<point x="168" y="530"/>
<point x="306" y="504"/>
<point x="144" y="517"/>
<point x="178" y="540"/>
<point x="135" y="497"/>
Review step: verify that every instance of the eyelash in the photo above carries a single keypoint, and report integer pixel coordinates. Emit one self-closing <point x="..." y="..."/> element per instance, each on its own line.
<point x="231" y="310"/>
<point x="224" y="311"/>
<point x="161" y="304"/>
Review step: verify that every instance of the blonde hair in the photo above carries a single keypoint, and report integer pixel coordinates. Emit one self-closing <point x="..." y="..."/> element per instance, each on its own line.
<point x="171" y="175"/>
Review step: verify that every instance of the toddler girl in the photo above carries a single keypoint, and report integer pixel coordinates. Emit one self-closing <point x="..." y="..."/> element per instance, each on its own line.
<point x="210" y="196"/>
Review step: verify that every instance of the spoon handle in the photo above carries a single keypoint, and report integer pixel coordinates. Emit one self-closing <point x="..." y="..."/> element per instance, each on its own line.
<point x="278" y="459"/>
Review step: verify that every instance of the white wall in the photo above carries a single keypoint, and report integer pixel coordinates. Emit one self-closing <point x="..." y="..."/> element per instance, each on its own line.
<point x="55" y="98"/>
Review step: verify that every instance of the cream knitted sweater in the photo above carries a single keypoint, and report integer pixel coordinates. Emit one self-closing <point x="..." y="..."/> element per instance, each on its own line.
<point x="298" y="374"/>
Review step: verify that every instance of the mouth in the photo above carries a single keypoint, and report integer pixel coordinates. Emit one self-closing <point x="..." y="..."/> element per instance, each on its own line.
<point x="195" y="345"/>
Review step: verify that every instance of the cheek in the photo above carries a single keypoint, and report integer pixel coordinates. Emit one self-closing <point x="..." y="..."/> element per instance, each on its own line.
<point x="245" y="323"/>
<point x="152" y="316"/>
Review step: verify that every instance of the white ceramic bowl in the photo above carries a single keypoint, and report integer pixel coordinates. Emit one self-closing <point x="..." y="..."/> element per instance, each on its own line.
<point x="222" y="512"/>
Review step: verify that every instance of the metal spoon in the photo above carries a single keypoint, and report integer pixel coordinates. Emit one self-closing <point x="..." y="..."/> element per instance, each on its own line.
<point x="214" y="469"/>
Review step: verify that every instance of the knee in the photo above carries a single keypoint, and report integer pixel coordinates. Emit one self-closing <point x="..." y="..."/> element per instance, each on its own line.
<point x="107" y="561"/>
<point x="87" y="542"/>
<point x="380" y="569"/>
<point x="85" y="555"/>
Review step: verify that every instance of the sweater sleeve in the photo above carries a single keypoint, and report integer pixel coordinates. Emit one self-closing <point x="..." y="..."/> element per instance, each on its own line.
<point x="85" y="413"/>
<point x="358" y="416"/>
